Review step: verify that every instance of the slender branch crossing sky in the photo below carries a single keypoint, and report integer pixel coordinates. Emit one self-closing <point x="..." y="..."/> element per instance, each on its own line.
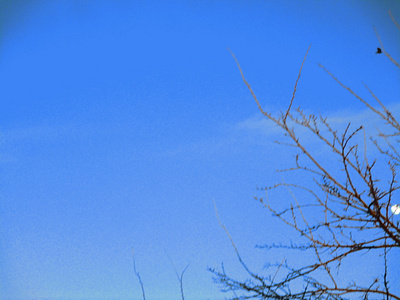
<point x="122" y="122"/>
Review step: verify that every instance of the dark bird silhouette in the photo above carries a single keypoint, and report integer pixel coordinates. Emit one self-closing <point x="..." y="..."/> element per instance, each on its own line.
<point x="378" y="51"/>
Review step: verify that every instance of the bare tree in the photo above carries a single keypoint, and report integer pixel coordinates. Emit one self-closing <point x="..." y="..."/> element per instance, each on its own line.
<point x="351" y="203"/>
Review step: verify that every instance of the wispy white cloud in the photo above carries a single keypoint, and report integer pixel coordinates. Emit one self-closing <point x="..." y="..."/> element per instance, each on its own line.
<point x="13" y="138"/>
<point x="57" y="131"/>
<point x="36" y="132"/>
<point x="257" y="124"/>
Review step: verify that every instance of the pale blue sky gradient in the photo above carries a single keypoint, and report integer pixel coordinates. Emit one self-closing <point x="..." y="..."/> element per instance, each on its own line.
<point x="122" y="121"/>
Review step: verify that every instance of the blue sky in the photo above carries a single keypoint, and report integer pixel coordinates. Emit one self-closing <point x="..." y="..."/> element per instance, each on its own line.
<point x="122" y="121"/>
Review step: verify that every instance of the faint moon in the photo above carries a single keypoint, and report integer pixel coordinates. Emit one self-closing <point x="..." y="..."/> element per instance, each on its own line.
<point x="395" y="209"/>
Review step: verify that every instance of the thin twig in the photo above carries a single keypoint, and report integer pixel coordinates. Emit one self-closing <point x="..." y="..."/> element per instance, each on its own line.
<point x="384" y="51"/>
<point x="180" y="277"/>
<point x="295" y="86"/>
<point x="394" y="21"/>
<point x="138" y="275"/>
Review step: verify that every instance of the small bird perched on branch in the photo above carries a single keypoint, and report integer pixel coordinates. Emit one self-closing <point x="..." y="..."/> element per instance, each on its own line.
<point x="378" y="51"/>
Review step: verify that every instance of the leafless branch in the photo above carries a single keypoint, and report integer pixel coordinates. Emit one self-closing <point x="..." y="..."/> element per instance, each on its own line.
<point x="138" y="275"/>
<point x="179" y="276"/>
<point x="349" y="202"/>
